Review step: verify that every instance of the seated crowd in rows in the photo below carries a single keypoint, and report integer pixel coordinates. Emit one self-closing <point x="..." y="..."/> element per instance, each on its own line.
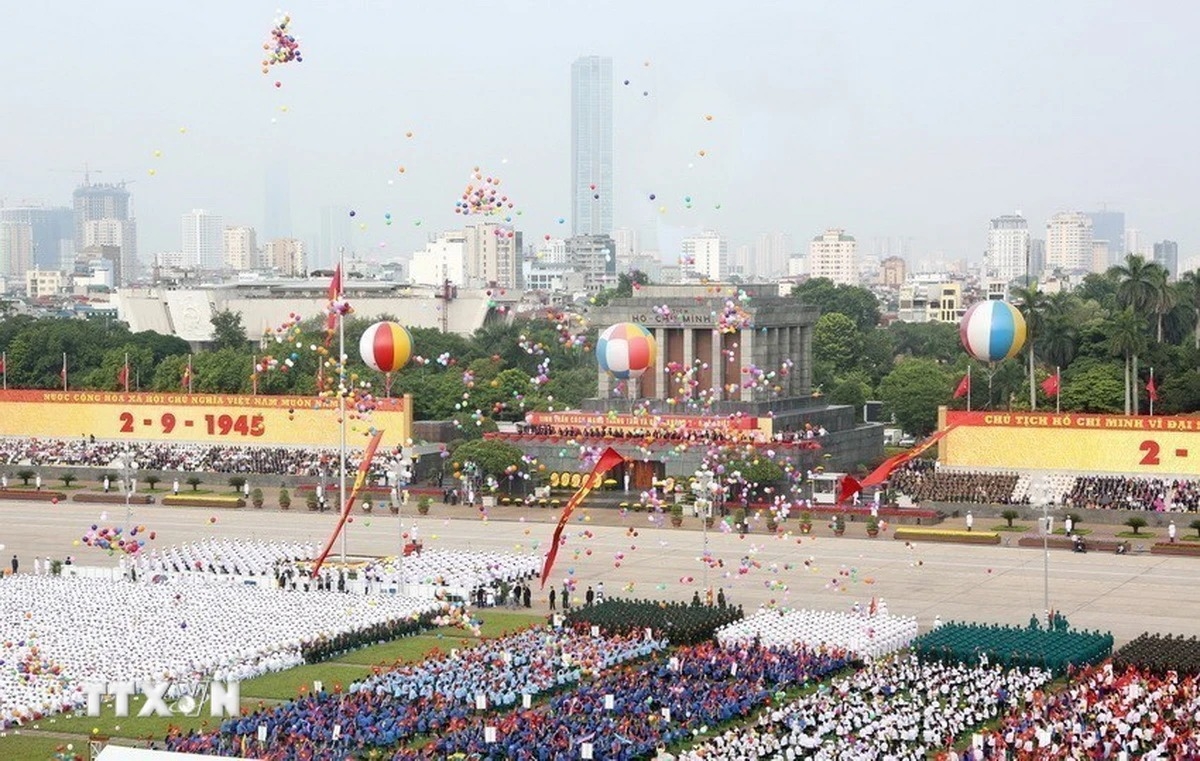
<point x="1123" y="493"/>
<point x="925" y="484"/>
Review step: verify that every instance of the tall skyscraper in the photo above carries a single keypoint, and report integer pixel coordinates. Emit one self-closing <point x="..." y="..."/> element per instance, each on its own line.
<point x="277" y="206"/>
<point x="1110" y="226"/>
<point x="202" y="239"/>
<point x="1008" y="247"/>
<point x="52" y="230"/>
<point x="492" y="257"/>
<point x="1166" y="253"/>
<point x="1037" y="257"/>
<point x="628" y="247"/>
<point x="16" y="249"/>
<point x="106" y="202"/>
<point x="833" y="254"/>
<point x="1069" y="242"/>
<point x="240" y="248"/>
<point x="592" y="146"/>
<point x="706" y="255"/>
<point x="771" y="253"/>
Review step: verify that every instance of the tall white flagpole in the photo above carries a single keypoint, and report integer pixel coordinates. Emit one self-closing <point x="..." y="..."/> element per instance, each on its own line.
<point x="968" y="387"/>
<point x="1057" y="390"/>
<point x="342" y="395"/>
<point x="1155" y="392"/>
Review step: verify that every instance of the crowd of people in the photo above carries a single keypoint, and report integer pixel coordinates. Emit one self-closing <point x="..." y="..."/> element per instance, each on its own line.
<point x="901" y="708"/>
<point x="64" y="633"/>
<point x="1125" y="493"/>
<point x="870" y="632"/>
<point x="925" y="483"/>
<point x="681" y="624"/>
<point x="86" y="451"/>
<point x="1106" y="712"/>
<point x="1056" y="648"/>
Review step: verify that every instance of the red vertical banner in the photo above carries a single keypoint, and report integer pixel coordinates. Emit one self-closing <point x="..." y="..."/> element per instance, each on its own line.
<point x="609" y="460"/>
<point x="363" y="468"/>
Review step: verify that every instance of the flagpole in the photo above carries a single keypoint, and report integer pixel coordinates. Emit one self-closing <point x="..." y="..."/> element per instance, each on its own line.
<point x="968" y="387"/>
<point x="189" y="388"/>
<point x="127" y="372"/>
<point x="254" y="374"/>
<point x="64" y="371"/>
<point x="1155" y="392"/>
<point x="1057" y="390"/>
<point x="4" y="364"/>
<point x="342" y="394"/>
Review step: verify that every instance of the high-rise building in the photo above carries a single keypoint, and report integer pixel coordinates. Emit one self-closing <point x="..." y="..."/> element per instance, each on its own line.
<point x="1008" y="247"/>
<point x="771" y="253"/>
<point x="240" y="248"/>
<point x="277" y="202"/>
<point x="16" y="249"/>
<point x="444" y="258"/>
<point x="1133" y="244"/>
<point x="592" y="255"/>
<point x="1100" y="256"/>
<point x="286" y="256"/>
<point x="1166" y="253"/>
<point x="1110" y="226"/>
<point x="893" y="272"/>
<point x="109" y="232"/>
<point x="103" y="201"/>
<point x="706" y="255"/>
<point x="592" y="146"/>
<point x="552" y="252"/>
<point x="1037" y="257"/>
<point x="202" y="239"/>
<point x="628" y="247"/>
<point x="834" y="255"/>
<point x="335" y="235"/>
<point x="492" y="256"/>
<point x="106" y="256"/>
<point x="1069" y="242"/>
<point x="53" y="232"/>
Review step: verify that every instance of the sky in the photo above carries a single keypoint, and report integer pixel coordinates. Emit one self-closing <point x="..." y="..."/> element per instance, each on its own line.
<point x="917" y="120"/>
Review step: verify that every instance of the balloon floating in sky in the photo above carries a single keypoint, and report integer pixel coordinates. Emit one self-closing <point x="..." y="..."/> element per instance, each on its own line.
<point x="992" y="330"/>
<point x="482" y="196"/>
<point x="625" y="350"/>
<point x="386" y="347"/>
<point x="281" y="47"/>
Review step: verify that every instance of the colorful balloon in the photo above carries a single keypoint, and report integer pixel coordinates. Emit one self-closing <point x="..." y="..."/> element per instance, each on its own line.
<point x="625" y="350"/>
<point x="992" y="330"/>
<point x="386" y="347"/>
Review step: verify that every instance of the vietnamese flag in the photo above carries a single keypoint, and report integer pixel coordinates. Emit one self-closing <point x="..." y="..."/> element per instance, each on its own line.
<point x="1152" y="389"/>
<point x="609" y="460"/>
<point x="123" y="377"/>
<point x="1051" y="385"/>
<point x="964" y="387"/>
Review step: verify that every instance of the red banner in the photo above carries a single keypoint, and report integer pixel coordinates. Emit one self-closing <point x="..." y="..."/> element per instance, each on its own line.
<point x="361" y="477"/>
<point x="609" y="460"/>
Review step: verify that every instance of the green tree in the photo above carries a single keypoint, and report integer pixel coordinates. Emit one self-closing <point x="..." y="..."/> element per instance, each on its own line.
<point x="859" y="304"/>
<point x="1031" y="302"/>
<point x="913" y="391"/>
<point x="1189" y="284"/>
<point x="624" y="288"/>
<point x="1127" y="339"/>
<point x="221" y="372"/>
<point x="1136" y="283"/>
<point x="492" y="456"/>
<point x="930" y="340"/>
<point x="853" y="390"/>
<point x="837" y="340"/>
<point x="228" y="331"/>
<point x="1089" y="385"/>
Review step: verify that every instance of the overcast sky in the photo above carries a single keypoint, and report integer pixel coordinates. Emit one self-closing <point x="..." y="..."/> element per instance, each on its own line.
<point x="919" y="120"/>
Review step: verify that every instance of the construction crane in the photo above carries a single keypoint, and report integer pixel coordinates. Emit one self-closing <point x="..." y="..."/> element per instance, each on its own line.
<point x="87" y="172"/>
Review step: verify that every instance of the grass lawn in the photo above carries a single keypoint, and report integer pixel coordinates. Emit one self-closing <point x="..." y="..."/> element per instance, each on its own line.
<point x="1080" y="531"/>
<point x="130" y="726"/>
<point x="1139" y="535"/>
<point x="285" y="685"/>
<point x="1016" y="528"/>
<point x="34" y="748"/>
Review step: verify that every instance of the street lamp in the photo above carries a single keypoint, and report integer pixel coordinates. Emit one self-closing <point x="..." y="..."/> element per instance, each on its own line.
<point x="704" y="488"/>
<point x="401" y="475"/>
<point x="1043" y="495"/>
<point x="128" y="482"/>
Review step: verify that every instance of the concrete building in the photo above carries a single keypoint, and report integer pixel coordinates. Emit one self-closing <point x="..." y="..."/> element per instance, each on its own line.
<point x="1110" y="226"/>
<point x="442" y="259"/>
<point x="1008" y="247"/>
<point x="287" y="256"/>
<point x="110" y="255"/>
<point x="931" y="302"/>
<point x="1037" y="256"/>
<point x="40" y="283"/>
<point x="202" y="239"/>
<point x="240" y="248"/>
<point x="1100" y="256"/>
<point x="593" y="257"/>
<point x="893" y="271"/>
<point x="834" y="255"/>
<point x="552" y="252"/>
<point x="101" y="201"/>
<point x="16" y="249"/>
<point x="592" y="146"/>
<point x="119" y="233"/>
<point x="492" y="256"/>
<point x="1069" y="242"/>
<point x="175" y="260"/>
<point x="628" y="246"/>
<point x="52" y="233"/>
<point x="1166" y="253"/>
<point x="707" y="256"/>
<point x="771" y="253"/>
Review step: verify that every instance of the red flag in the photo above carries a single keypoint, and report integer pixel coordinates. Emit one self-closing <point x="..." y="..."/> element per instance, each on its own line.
<point x="964" y="387"/>
<point x="880" y="474"/>
<point x="2" y="364"/>
<point x="609" y="460"/>
<point x="1051" y="385"/>
<point x="1152" y="389"/>
<point x="186" y="380"/>
<point x="63" y="373"/>
<point x="123" y="377"/>
<point x="335" y="290"/>
<point x="359" y="479"/>
<point x="850" y="487"/>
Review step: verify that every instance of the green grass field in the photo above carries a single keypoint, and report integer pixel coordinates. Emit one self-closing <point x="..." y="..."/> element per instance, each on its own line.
<point x="260" y="691"/>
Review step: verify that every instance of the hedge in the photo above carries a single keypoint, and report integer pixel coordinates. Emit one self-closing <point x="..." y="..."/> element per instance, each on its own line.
<point x="202" y="500"/>
<point x="31" y="495"/>
<point x="949" y="536"/>
<point x="100" y="498"/>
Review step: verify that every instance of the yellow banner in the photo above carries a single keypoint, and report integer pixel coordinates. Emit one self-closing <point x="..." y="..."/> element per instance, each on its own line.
<point x="205" y="418"/>
<point x="1144" y="445"/>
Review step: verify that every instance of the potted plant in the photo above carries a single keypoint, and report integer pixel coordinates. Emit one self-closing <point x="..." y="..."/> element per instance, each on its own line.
<point x="256" y="498"/>
<point x="285" y="500"/>
<point x="772" y="521"/>
<point x="677" y="515"/>
<point x="872" y="527"/>
<point x="805" y="522"/>
<point x="739" y="520"/>
<point x="839" y="525"/>
<point x="56" y="567"/>
<point x="423" y="505"/>
<point x="393" y="508"/>
<point x="311" y="500"/>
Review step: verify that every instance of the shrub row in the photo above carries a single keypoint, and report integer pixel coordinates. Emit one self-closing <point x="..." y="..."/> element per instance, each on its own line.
<point x="202" y="500"/>
<point x="950" y="536"/>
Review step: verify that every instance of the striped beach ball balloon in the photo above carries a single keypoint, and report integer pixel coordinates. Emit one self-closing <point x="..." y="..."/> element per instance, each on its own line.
<point x="625" y="350"/>
<point x="992" y="331"/>
<point x="386" y="347"/>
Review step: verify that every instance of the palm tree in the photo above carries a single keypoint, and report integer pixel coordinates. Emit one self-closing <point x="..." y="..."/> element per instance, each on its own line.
<point x="1189" y="286"/>
<point x="1059" y="339"/>
<point x="1031" y="302"/>
<point x="1128" y="339"/>
<point x="1137" y="286"/>
<point x="1166" y="298"/>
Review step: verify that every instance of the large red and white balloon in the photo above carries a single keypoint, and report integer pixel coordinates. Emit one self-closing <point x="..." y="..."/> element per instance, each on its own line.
<point x="386" y="347"/>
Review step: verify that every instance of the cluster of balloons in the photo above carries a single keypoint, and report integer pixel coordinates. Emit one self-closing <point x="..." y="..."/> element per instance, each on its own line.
<point x="482" y="196"/>
<point x="282" y="46"/>
<point x="113" y="539"/>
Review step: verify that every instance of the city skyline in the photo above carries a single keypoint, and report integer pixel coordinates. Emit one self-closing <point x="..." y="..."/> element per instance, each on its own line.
<point x="867" y="127"/>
